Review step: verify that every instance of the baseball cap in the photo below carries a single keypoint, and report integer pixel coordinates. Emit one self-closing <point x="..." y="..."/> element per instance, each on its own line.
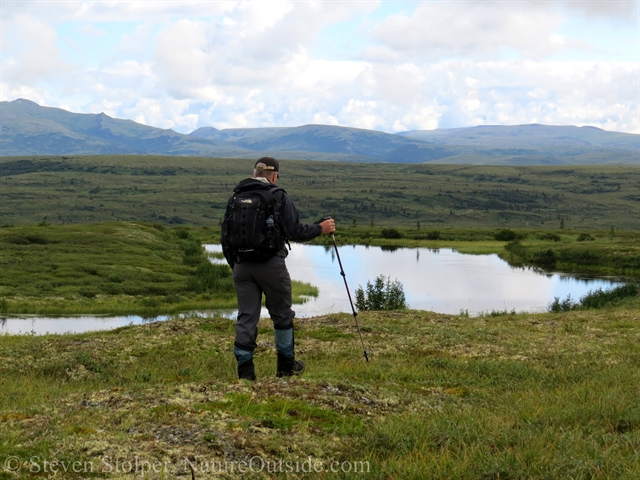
<point x="268" y="163"/>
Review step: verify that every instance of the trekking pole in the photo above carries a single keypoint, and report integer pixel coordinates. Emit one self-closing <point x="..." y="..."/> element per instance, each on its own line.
<point x="355" y="314"/>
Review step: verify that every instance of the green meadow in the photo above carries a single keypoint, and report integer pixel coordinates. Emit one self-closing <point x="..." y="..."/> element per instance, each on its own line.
<point x="194" y="191"/>
<point x="498" y="396"/>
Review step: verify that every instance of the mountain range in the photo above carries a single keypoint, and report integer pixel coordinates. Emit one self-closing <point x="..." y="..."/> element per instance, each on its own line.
<point x="29" y="129"/>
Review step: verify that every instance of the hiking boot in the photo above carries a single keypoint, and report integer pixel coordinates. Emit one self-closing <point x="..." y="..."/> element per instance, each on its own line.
<point x="298" y="367"/>
<point x="293" y="367"/>
<point x="246" y="371"/>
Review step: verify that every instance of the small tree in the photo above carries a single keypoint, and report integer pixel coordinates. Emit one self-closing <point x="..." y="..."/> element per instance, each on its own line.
<point x="383" y="294"/>
<point x="505" y="235"/>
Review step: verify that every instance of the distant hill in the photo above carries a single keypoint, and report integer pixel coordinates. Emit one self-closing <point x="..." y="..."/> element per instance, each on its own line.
<point x="534" y="135"/>
<point x="29" y="129"/>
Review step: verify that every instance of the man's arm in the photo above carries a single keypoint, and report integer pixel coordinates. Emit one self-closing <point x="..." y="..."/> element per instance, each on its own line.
<point x="294" y="229"/>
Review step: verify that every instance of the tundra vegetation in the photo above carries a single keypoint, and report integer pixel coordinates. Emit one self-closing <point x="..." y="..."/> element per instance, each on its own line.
<point x="503" y="395"/>
<point x="112" y="268"/>
<point x="150" y="269"/>
<point x="531" y="396"/>
<point x="194" y="191"/>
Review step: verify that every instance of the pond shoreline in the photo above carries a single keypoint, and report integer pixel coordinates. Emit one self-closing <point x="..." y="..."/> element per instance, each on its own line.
<point x="426" y="287"/>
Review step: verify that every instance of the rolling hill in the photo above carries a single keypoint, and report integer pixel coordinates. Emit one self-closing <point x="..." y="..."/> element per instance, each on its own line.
<point x="29" y="129"/>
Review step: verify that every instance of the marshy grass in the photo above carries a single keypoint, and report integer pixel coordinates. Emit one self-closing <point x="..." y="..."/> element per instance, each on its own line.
<point x="115" y="268"/>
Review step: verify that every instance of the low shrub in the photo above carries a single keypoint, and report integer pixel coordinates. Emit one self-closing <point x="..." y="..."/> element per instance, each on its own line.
<point x="544" y="257"/>
<point x="554" y="237"/>
<point x="585" y="237"/>
<point x="594" y="299"/>
<point x="582" y="256"/>
<point x="383" y="294"/>
<point x="391" y="233"/>
<point x="599" y="298"/>
<point x="506" y="235"/>
<point x="89" y="292"/>
<point x="565" y="305"/>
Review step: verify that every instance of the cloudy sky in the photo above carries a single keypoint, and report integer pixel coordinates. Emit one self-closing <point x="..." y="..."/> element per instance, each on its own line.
<point x="383" y="65"/>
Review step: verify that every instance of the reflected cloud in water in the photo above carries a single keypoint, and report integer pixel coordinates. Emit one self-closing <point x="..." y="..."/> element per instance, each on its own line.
<point x="439" y="280"/>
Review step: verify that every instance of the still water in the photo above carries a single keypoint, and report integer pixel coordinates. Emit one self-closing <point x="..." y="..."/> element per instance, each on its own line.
<point x="441" y="280"/>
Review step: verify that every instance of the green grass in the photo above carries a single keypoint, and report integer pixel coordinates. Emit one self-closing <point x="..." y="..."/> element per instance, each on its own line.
<point x="184" y="190"/>
<point x="530" y="396"/>
<point x="617" y="253"/>
<point x="149" y="269"/>
<point x="113" y="268"/>
<point x="503" y="395"/>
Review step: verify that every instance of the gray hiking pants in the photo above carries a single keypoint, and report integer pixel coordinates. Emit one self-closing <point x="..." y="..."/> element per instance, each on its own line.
<point x="251" y="281"/>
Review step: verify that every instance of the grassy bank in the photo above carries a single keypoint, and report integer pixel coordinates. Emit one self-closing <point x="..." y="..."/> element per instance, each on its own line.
<point x="113" y="268"/>
<point x="527" y="396"/>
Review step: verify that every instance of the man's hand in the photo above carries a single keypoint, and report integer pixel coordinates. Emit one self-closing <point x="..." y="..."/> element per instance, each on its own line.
<point x="328" y="226"/>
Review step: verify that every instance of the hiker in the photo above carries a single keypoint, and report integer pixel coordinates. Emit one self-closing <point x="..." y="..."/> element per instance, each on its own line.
<point x="258" y="262"/>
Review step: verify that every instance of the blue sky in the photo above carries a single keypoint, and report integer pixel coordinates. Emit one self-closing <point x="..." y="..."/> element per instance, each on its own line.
<point x="384" y="65"/>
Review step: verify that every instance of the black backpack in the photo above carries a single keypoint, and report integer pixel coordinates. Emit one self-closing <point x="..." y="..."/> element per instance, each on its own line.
<point x="251" y="227"/>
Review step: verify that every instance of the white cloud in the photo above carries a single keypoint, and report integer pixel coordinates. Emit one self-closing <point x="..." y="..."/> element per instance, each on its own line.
<point x="10" y="92"/>
<point x="182" y="58"/>
<point x="624" y="10"/>
<point x="138" y="43"/>
<point x="146" y="10"/>
<point x="162" y="113"/>
<point x="289" y="26"/>
<point x="53" y="9"/>
<point x="129" y="69"/>
<point x="399" y="85"/>
<point x="470" y="29"/>
<point x="30" y="52"/>
<point x="251" y="64"/>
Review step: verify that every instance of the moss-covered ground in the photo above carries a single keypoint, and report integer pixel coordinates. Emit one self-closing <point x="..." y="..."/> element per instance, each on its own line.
<point x="526" y="396"/>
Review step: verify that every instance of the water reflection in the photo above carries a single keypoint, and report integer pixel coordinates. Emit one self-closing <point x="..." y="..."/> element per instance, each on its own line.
<point x="40" y="325"/>
<point x="439" y="280"/>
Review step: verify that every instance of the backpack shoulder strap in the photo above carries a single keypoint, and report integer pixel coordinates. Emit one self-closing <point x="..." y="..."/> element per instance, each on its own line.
<point x="278" y="218"/>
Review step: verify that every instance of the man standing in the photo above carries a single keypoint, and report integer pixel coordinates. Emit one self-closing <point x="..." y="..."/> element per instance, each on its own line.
<point x="254" y="275"/>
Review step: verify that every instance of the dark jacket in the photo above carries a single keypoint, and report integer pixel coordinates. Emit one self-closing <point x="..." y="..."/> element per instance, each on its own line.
<point x="289" y="216"/>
